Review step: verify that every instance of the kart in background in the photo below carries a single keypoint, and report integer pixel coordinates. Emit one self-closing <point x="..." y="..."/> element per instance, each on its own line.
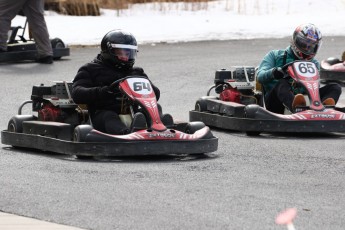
<point x="64" y="127"/>
<point x="20" y="48"/>
<point x="239" y="104"/>
<point x="333" y="70"/>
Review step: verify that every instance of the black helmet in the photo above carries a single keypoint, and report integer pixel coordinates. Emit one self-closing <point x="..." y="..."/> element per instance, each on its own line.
<point x="119" y="48"/>
<point x="306" y="41"/>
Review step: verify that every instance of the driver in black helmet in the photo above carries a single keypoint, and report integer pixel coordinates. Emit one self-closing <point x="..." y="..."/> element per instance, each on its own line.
<point x="93" y="83"/>
<point x="280" y="93"/>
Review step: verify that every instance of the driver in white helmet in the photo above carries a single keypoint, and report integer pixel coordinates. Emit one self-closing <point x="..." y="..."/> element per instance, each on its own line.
<point x="280" y="93"/>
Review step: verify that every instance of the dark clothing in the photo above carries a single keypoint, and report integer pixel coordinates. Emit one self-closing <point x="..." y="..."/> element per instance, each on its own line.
<point x="88" y="88"/>
<point x="280" y="93"/>
<point x="108" y="121"/>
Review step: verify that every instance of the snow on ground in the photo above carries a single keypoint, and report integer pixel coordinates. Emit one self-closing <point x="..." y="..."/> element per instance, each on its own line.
<point x="216" y="20"/>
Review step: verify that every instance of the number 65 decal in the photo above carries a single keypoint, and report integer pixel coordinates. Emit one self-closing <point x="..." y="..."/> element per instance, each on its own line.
<point x="305" y="69"/>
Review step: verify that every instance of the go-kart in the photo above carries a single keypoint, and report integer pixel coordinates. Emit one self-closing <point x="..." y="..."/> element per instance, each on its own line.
<point x="240" y="104"/>
<point x="62" y="126"/>
<point x="333" y="70"/>
<point x="20" y="48"/>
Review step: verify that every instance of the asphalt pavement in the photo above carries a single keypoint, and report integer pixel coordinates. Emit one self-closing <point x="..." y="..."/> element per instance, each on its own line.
<point x="243" y="185"/>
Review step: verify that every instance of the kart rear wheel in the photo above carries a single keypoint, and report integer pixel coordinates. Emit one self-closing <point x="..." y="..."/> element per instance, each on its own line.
<point x="194" y="126"/>
<point x="57" y="43"/>
<point x="79" y="135"/>
<point x="15" y="125"/>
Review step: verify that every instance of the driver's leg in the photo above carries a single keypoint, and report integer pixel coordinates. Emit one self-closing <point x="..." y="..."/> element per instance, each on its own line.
<point x="329" y="92"/>
<point x="280" y="97"/>
<point x="8" y="10"/>
<point x="109" y="122"/>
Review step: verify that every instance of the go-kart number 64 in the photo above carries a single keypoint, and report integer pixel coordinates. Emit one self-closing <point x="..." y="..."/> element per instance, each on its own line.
<point x="140" y="85"/>
<point x="305" y="69"/>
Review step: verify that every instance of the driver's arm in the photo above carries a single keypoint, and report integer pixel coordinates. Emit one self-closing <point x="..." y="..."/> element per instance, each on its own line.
<point x="266" y="67"/>
<point x="84" y="91"/>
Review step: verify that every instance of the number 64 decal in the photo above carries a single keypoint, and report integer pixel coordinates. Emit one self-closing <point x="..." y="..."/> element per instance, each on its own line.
<point x="140" y="85"/>
<point x="305" y="69"/>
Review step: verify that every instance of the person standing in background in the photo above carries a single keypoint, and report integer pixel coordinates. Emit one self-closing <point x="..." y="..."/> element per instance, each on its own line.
<point x="34" y="11"/>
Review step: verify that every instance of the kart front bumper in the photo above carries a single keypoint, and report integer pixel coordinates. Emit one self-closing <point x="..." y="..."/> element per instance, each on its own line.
<point x="267" y="125"/>
<point x="125" y="148"/>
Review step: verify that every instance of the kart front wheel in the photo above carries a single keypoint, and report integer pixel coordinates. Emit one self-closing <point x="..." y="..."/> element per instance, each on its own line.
<point x="251" y="111"/>
<point x="201" y="105"/>
<point x="80" y="132"/>
<point x="15" y="125"/>
<point x="194" y="126"/>
<point x="79" y="135"/>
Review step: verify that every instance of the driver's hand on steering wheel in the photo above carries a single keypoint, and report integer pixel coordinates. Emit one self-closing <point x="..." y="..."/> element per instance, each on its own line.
<point x="278" y="73"/>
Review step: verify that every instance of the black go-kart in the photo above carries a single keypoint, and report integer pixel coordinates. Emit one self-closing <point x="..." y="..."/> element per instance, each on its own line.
<point x="61" y="126"/>
<point x="333" y="70"/>
<point x="20" y="48"/>
<point x="239" y="104"/>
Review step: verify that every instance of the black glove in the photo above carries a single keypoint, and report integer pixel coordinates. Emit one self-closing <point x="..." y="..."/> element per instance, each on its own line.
<point x="105" y="91"/>
<point x="278" y="73"/>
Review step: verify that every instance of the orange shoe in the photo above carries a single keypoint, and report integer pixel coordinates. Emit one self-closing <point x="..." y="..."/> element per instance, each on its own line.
<point x="329" y="101"/>
<point x="298" y="101"/>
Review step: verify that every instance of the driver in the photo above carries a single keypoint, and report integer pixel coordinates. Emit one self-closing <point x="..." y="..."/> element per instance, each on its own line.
<point x="93" y="83"/>
<point x="280" y="93"/>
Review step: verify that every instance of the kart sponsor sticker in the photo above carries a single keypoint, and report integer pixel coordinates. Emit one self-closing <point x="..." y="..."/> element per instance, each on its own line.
<point x="324" y="116"/>
<point x="165" y="135"/>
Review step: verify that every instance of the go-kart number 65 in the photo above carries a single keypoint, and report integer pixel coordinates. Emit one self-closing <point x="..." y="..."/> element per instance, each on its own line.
<point x="305" y="69"/>
<point x="139" y="85"/>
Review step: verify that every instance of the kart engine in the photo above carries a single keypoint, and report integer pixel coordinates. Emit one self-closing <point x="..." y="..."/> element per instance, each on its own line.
<point x="230" y="94"/>
<point x="53" y="103"/>
<point x="50" y="113"/>
<point x="236" y="85"/>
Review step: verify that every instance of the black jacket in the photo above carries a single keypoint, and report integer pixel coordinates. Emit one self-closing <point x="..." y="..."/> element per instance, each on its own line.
<point x="92" y="77"/>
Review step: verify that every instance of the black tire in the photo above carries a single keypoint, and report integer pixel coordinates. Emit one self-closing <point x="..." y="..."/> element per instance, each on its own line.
<point x="16" y="123"/>
<point x="79" y="135"/>
<point x="201" y="105"/>
<point x="251" y="110"/>
<point x="194" y="126"/>
<point x="57" y="43"/>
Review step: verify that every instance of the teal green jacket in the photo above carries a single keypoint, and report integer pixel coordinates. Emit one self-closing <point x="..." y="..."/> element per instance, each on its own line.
<point x="275" y="58"/>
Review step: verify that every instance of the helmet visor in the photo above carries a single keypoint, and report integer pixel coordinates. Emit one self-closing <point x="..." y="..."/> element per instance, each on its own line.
<point x="124" y="52"/>
<point x="307" y="46"/>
